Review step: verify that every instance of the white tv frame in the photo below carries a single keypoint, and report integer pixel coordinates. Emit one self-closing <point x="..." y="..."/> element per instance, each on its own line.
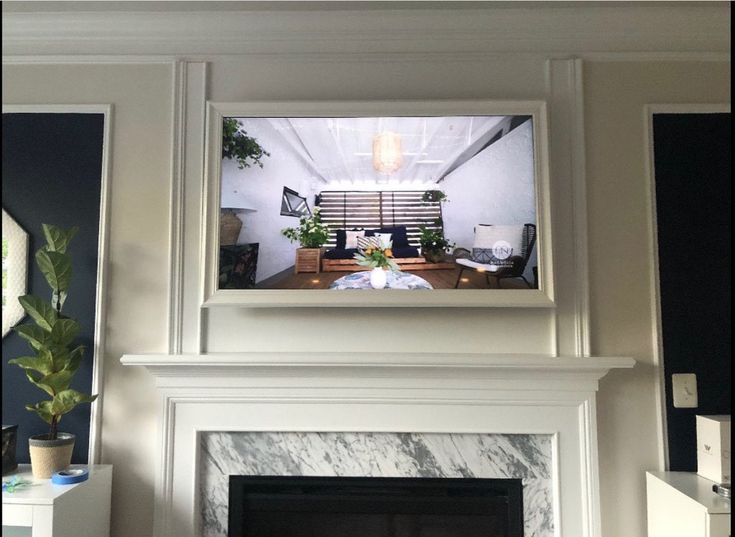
<point x="213" y="296"/>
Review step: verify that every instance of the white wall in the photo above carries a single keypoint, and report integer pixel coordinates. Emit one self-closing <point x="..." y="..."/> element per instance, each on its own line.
<point x="621" y="261"/>
<point x="137" y="289"/>
<point x="497" y="184"/>
<point x="340" y="68"/>
<point x="261" y="189"/>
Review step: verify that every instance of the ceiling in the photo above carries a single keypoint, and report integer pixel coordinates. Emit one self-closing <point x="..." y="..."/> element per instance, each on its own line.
<point x="340" y="150"/>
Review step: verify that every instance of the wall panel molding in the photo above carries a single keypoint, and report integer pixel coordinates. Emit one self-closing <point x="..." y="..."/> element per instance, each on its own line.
<point x="98" y="345"/>
<point x="501" y="29"/>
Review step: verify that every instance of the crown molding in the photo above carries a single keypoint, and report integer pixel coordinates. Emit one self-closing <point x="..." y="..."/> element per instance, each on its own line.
<point x="525" y="29"/>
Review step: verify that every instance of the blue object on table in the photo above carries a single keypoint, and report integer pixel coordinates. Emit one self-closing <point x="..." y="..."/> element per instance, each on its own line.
<point x="14" y="483"/>
<point x="70" y="476"/>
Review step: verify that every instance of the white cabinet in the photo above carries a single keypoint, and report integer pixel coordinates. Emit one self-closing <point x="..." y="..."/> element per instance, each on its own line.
<point x="47" y="510"/>
<point x="682" y="504"/>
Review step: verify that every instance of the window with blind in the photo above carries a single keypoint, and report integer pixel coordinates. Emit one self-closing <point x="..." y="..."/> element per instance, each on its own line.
<point x="372" y="210"/>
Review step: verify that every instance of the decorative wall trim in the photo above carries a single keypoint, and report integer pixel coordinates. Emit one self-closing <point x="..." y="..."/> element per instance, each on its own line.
<point x="178" y="156"/>
<point x="416" y="57"/>
<point x="566" y="105"/>
<point x="195" y="118"/>
<point x="548" y="28"/>
<point x="187" y="127"/>
<point x="579" y="209"/>
<point x="654" y="276"/>
<point x="370" y="392"/>
<point x="98" y="351"/>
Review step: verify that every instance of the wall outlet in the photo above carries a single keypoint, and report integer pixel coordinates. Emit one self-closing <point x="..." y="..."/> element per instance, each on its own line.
<point x="684" y="389"/>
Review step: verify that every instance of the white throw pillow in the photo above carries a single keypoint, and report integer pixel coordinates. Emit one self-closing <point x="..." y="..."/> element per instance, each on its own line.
<point x="507" y="239"/>
<point x="384" y="239"/>
<point x="351" y="238"/>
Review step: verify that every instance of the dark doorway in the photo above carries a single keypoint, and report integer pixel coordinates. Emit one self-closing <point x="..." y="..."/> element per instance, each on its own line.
<point x="692" y="158"/>
<point x="52" y="174"/>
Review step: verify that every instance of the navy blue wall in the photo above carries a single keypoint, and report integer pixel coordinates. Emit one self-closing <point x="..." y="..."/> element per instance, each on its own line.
<point x="52" y="174"/>
<point x="693" y="188"/>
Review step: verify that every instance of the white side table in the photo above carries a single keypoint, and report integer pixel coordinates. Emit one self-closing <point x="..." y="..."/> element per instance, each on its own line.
<point x="682" y="504"/>
<point x="43" y="509"/>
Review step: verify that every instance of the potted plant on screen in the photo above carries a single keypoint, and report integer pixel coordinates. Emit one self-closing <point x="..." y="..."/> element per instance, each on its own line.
<point x="433" y="244"/>
<point x="54" y="358"/>
<point x="311" y="234"/>
<point x="379" y="258"/>
<point x="238" y="146"/>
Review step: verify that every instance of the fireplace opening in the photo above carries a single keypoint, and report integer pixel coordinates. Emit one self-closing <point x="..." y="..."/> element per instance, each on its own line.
<point x="285" y="506"/>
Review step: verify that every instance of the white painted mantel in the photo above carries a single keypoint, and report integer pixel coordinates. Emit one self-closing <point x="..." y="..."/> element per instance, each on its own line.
<point x="378" y="392"/>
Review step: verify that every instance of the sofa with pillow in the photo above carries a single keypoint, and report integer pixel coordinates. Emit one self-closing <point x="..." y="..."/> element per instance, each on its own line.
<point x="341" y="258"/>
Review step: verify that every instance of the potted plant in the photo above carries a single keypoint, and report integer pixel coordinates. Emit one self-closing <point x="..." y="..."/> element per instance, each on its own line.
<point x="380" y="260"/>
<point x="311" y="234"/>
<point x="433" y="244"/>
<point x="434" y="196"/>
<point x="55" y="360"/>
<point x="237" y="145"/>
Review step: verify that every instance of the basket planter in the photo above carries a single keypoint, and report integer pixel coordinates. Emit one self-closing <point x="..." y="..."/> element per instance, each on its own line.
<point x="433" y="256"/>
<point x="307" y="260"/>
<point x="229" y="228"/>
<point x="49" y="456"/>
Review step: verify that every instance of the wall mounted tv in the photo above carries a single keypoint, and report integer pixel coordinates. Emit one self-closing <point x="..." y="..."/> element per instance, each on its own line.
<point x="431" y="202"/>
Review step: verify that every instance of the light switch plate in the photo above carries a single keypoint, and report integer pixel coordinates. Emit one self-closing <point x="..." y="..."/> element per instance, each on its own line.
<point x="684" y="389"/>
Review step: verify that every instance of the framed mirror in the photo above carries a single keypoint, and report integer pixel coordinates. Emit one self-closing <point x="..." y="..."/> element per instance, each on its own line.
<point x="15" y="271"/>
<point x="408" y="203"/>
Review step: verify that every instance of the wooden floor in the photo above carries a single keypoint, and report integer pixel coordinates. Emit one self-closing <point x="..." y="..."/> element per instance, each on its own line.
<point x="439" y="279"/>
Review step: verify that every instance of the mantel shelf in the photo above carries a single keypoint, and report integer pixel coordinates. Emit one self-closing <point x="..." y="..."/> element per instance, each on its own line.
<point x="361" y="365"/>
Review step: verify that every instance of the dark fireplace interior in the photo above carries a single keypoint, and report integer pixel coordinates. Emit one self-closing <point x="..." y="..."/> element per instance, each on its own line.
<point x="263" y="506"/>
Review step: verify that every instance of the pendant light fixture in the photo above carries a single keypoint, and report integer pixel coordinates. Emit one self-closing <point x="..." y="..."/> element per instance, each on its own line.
<point x="387" y="155"/>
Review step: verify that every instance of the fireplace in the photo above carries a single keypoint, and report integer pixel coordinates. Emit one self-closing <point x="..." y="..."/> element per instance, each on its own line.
<point x="374" y="416"/>
<point x="381" y="456"/>
<point x="278" y="506"/>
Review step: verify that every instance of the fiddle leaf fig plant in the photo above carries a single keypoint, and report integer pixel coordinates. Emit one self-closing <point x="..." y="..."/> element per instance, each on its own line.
<point x="55" y="359"/>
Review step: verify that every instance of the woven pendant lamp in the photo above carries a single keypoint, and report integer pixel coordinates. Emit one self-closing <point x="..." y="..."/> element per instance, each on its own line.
<point x="387" y="155"/>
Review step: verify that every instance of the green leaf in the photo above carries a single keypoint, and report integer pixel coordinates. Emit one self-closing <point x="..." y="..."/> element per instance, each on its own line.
<point x="66" y="400"/>
<point x="40" y="363"/>
<point x="58" y="355"/>
<point x="39" y="310"/>
<point x="65" y="331"/>
<point x="43" y="409"/>
<point x="35" y="335"/>
<point x="58" y="239"/>
<point x="56" y="268"/>
<point x="75" y="358"/>
<point x="54" y="383"/>
<point x="34" y="377"/>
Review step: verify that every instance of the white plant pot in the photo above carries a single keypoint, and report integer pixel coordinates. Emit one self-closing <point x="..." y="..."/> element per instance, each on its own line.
<point x="378" y="278"/>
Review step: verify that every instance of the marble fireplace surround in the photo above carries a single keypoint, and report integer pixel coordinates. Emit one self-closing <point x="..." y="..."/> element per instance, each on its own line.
<point x="482" y="397"/>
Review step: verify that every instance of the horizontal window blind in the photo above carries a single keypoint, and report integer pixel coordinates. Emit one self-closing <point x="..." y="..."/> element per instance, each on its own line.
<point x="372" y="210"/>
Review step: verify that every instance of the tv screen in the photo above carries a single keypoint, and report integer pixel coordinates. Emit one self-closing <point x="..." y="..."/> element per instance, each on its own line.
<point x="364" y="203"/>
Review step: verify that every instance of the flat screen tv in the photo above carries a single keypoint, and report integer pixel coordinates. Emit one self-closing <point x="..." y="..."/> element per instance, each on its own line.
<point x="378" y="204"/>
